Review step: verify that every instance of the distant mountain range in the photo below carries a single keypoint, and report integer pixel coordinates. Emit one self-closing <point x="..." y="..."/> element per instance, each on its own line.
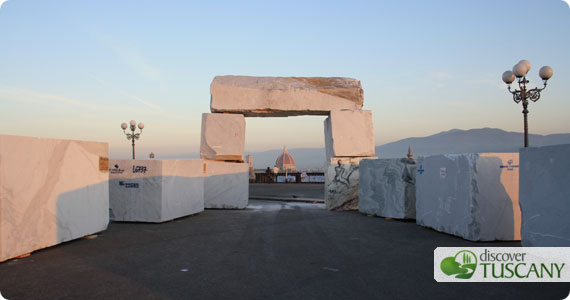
<point x="447" y="142"/>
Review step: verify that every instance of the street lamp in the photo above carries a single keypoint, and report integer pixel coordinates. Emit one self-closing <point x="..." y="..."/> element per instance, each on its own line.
<point x="133" y="136"/>
<point x="522" y="94"/>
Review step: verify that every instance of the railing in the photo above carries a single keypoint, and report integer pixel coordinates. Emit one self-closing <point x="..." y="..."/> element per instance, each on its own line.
<point x="311" y="177"/>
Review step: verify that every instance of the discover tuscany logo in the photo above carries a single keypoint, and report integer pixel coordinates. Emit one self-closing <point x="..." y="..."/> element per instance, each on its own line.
<point x="462" y="265"/>
<point x="502" y="264"/>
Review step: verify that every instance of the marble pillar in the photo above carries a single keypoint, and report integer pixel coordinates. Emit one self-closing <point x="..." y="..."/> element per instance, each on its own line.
<point x="223" y="137"/>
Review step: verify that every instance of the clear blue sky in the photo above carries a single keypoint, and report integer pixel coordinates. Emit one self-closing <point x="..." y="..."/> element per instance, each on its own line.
<point x="77" y="69"/>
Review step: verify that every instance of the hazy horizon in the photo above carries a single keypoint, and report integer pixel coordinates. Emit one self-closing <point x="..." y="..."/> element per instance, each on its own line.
<point x="481" y="140"/>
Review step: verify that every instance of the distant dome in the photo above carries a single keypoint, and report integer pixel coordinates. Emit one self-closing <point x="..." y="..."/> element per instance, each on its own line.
<point x="285" y="161"/>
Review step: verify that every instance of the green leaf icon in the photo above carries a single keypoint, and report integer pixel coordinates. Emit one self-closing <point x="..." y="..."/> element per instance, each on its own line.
<point x="464" y="269"/>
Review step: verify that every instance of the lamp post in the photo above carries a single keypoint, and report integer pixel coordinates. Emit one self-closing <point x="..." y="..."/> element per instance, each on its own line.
<point x="522" y="94"/>
<point x="133" y="136"/>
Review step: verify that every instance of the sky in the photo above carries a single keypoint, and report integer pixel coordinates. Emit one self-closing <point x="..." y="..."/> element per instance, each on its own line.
<point x="78" y="69"/>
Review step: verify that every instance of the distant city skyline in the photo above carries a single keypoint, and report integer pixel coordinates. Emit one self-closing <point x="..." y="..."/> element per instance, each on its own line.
<point x="78" y="69"/>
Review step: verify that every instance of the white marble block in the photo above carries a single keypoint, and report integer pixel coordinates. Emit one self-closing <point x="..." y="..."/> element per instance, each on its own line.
<point x="349" y="133"/>
<point x="386" y="188"/>
<point x="284" y="96"/>
<point x="155" y="190"/>
<point x="226" y="185"/>
<point x="545" y="196"/>
<point x="223" y="137"/>
<point x="341" y="183"/>
<point x="51" y="191"/>
<point x="474" y="196"/>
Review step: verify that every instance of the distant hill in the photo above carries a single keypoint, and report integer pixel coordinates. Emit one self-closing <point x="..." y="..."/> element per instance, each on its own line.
<point x="447" y="142"/>
<point x="466" y="141"/>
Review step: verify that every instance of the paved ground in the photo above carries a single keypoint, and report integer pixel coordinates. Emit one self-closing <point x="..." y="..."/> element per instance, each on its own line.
<point x="271" y="250"/>
<point x="293" y="190"/>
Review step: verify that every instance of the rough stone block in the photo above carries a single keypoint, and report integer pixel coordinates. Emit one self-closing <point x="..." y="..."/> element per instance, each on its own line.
<point x="474" y="196"/>
<point x="155" y="190"/>
<point x="226" y="185"/>
<point x="341" y="183"/>
<point x="387" y="188"/>
<point x="349" y="133"/>
<point x="223" y="137"/>
<point x="284" y="96"/>
<point x="51" y="191"/>
<point x="545" y="196"/>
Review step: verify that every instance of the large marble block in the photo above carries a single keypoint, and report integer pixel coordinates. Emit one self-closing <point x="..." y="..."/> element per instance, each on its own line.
<point x="545" y="196"/>
<point x="223" y="137"/>
<point x="226" y="185"/>
<point x="341" y="183"/>
<point x="474" y="196"/>
<point x="349" y="133"/>
<point x="51" y="191"/>
<point x="387" y="188"/>
<point x="284" y="96"/>
<point x="155" y="190"/>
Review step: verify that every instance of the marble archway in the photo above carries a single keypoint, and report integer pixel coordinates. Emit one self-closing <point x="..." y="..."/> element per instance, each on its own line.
<point x="349" y="132"/>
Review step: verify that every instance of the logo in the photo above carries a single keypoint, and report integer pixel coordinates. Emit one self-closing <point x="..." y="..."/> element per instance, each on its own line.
<point x="462" y="265"/>
<point x="139" y="169"/>
<point x="116" y="170"/>
<point x="501" y="264"/>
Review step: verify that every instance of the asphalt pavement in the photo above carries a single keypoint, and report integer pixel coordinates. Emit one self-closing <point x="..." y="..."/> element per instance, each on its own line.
<point x="292" y="190"/>
<point x="271" y="250"/>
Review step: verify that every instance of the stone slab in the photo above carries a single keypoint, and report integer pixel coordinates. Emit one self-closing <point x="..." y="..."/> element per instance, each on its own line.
<point x="223" y="137"/>
<point x="341" y="183"/>
<point x="226" y="185"/>
<point x="545" y="196"/>
<point x="349" y="133"/>
<point x="155" y="190"/>
<point x="386" y="188"/>
<point x="474" y="196"/>
<point x="51" y="191"/>
<point x="284" y="96"/>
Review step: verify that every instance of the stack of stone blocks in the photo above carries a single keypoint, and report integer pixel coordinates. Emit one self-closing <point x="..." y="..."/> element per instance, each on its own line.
<point x="226" y="176"/>
<point x="349" y="139"/>
<point x="349" y="132"/>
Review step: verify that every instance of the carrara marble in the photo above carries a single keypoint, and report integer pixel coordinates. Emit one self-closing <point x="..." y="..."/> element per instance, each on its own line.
<point x="51" y="191"/>
<point x="155" y="190"/>
<point x="545" y="196"/>
<point x="387" y="188"/>
<point x="474" y="196"/>
<point x="226" y="184"/>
